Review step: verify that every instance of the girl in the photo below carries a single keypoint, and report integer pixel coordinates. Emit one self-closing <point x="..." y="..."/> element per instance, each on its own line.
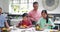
<point x="44" y="22"/>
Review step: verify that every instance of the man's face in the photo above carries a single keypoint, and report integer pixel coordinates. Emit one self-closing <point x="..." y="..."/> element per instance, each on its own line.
<point x="0" y="11"/>
<point x="35" y="6"/>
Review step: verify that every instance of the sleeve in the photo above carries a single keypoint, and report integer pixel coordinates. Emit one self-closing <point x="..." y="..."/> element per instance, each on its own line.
<point x="42" y="25"/>
<point x="38" y="22"/>
<point x="19" y="23"/>
<point x="30" y="23"/>
<point x="29" y="20"/>
<point x="51" y="22"/>
<point x="29" y="14"/>
<point x="5" y="19"/>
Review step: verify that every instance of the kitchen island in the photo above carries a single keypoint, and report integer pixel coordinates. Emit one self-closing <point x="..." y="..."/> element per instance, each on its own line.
<point x="32" y="29"/>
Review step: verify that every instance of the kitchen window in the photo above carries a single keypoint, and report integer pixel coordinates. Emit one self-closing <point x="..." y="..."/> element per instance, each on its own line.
<point x="20" y="6"/>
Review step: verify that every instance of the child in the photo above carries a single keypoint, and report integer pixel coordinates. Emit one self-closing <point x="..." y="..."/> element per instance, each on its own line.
<point x="3" y="21"/>
<point x="44" y="22"/>
<point x="25" y="23"/>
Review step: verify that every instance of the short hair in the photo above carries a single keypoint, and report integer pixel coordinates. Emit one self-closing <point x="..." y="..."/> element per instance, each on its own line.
<point x="35" y="3"/>
<point x="25" y="14"/>
<point x="0" y="8"/>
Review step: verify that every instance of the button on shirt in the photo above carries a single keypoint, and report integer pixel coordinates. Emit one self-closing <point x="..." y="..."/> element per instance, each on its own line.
<point x="2" y="20"/>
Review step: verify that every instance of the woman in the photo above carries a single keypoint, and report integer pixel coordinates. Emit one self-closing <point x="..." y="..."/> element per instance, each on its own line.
<point x="44" y="22"/>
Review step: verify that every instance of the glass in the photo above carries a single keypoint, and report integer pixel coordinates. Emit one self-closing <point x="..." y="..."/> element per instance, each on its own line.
<point x="14" y="27"/>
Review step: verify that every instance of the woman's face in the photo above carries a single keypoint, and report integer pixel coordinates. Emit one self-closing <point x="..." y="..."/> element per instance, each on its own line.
<point x="44" y="15"/>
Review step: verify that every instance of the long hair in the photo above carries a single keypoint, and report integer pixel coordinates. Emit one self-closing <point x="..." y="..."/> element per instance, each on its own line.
<point x="45" y="11"/>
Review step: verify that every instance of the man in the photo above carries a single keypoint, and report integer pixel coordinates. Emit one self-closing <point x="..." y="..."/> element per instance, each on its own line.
<point x="3" y="21"/>
<point x="35" y="14"/>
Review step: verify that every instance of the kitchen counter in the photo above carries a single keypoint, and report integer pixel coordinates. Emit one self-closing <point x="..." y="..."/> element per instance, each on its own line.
<point x="32" y="29"/>
<point x="58" y="24"/>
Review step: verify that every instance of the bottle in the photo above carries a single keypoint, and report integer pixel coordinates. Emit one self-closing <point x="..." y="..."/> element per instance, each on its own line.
<point x="37" y="27"/>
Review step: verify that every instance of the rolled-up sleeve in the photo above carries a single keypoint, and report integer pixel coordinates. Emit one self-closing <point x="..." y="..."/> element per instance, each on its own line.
<point x="52" y="23"/>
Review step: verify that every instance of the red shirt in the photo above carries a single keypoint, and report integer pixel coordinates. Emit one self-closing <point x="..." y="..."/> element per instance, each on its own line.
<point x="25" y="22"/>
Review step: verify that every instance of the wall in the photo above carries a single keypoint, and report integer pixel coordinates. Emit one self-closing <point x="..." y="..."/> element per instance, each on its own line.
<point x="5" y="5"/>
<point x="56" y="11"/>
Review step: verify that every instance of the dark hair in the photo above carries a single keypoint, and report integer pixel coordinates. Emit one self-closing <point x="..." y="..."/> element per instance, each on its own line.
<point x="25" y="14"/>
<point x="35" y="3"/>
<point x="0" y="8"/>
<point x="45" y="11"/>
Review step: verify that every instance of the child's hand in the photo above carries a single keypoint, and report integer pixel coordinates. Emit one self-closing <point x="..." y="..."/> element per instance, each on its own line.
<point x="46" y="25"/>
<point x="23" y="26"/>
